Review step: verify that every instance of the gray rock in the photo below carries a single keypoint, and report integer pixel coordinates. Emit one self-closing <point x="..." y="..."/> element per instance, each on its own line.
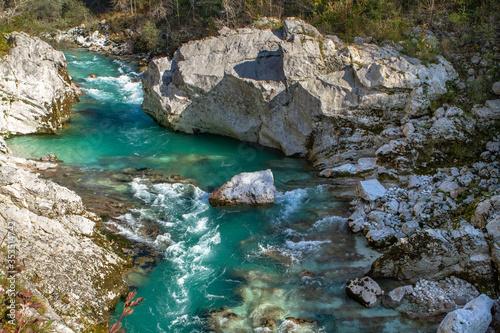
<point x="300" y="94"/>
<point x="448" y="186"/>
<point x="408" y="129"/>
<point x="436" y="254"/>
<point x="396" y="296"/>
<point x="490" y="111"/>
<point x="370" y="189"/>
<point x="36" y="93"/>
<point x="293" y="26"/>
<point x="475" y="317"/>
<point x="381" y="238"/>
<point x="247" y="188"/>
<point x="496" y="88"/>
<point x="365" y="291"/>
<point x="56" y="227"/>
<point x="364" y="165"/>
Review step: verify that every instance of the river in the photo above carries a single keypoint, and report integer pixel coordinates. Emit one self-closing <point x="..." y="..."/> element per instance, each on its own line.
<point x="264" y="264"/>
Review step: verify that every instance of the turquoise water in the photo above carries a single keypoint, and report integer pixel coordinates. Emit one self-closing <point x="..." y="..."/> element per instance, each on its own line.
<point x="264" y="264"/>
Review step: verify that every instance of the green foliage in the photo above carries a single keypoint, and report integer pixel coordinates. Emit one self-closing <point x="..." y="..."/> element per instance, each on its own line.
<point x="149" y="38"/>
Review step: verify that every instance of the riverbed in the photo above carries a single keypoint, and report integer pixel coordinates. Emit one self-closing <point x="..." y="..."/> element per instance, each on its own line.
<point x="263" y="264"/>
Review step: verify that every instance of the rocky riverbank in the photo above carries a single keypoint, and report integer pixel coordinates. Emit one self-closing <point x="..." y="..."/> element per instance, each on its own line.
<point x="358" y="110"/>
<point x="60" y="255"/>
<point x="36" y="93"/>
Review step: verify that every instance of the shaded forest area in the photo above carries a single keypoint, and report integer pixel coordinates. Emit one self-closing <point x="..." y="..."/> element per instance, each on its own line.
<point x="160" y="26"/>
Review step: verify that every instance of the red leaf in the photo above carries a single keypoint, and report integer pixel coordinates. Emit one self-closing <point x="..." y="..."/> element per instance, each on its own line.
<point x="123" y="330"/>
<point x="128" y="311"/>
<point x="115" y="327"/>
<point x="131" y="295"/>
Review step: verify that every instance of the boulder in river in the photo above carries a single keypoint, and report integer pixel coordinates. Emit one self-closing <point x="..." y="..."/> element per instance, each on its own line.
<point x="247" y="188"/>
<point x="365" y="291"/>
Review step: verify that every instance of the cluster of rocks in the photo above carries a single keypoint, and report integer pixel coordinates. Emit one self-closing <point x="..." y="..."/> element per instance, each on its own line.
<point x="438" y="225"/>
<point x="57" y="245"/>
<point x="94" y="40"/>
<point x="436" y="297"/>
<point x="36" y="93"/>
<point x="465" y="309"/>
<point x="60" y="256"/>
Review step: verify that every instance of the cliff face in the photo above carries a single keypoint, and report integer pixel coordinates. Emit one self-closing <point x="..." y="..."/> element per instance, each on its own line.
<point x="36" y="93"/>
<point x="300" y="92"/>
<point x="61" y="256"/>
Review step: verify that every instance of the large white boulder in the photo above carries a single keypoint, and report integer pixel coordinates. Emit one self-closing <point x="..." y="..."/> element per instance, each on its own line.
<point x="247" y="188"/>
<point x="475" y="317"/>
<point x="306" y="94"/>
<point x="36" y="93"/>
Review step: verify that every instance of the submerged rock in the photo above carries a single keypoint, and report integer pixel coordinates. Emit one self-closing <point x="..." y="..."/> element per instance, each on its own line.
<point x="247" y="188"/>
<point x="36" y="92"/>
<point x="475" y="317"/>
<point x="365" y="291"/>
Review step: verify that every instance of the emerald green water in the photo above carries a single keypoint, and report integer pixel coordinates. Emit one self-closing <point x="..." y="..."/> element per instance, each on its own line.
<point x="250" y="260"/>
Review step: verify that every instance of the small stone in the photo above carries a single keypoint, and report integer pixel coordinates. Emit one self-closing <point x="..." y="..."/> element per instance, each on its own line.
<point x="370" y="189"/>
<point x="408" y="129"/>
<point x="48" y="158"/>
<point x="496" y="88"/>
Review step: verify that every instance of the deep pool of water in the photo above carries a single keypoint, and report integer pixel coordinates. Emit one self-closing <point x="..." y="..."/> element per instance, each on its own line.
<point x="291" y="259"/>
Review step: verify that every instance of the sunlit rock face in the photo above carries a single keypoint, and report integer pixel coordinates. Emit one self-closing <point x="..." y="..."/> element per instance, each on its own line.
<point x="36" y="93"/>
<point x="295" y="90"/>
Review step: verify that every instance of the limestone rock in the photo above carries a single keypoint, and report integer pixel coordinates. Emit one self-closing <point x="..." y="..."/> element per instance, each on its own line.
<point x="370" y="189"/>
<point x="365" y="291"/>
<point x="475" y="317"/>
<point x="490" y="111"/>
<point x="396" y="296"/>
<point x="3" y="147"/>
<point x="304" y="94"/>
<point x="496" y="88"/>
<point x="363" y="166"/>
<point x="57" y="244"/>
<point x="435" y="254"/>
<point x="247" y="188"/>
<point x="36" y="93"/>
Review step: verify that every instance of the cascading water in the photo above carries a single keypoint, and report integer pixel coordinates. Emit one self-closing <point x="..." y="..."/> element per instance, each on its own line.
<point x="264" y="264"/>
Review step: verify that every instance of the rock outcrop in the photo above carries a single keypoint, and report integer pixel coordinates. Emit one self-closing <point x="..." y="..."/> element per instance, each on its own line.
<point x="36" y="93"/>
<point x="301" y="92"/>
<point x="76" y="280"/>
<point x="247" y="188"/>
<point x="436" y="254"/>
<point x="475" y="317"/>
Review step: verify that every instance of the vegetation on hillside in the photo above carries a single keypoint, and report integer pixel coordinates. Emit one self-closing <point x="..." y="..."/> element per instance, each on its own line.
<point x="161" y="25"/>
